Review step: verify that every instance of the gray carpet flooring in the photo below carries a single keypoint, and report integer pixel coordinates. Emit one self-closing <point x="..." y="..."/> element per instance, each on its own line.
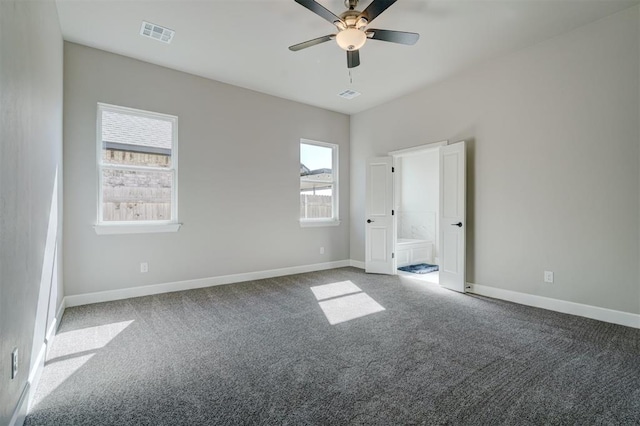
<point x="366" y="350"/>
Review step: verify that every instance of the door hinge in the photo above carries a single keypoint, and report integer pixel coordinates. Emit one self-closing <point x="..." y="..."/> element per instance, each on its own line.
<point x="393" y="255"/>
<point x="393" y="169"/>
<point x="393" y="212"/>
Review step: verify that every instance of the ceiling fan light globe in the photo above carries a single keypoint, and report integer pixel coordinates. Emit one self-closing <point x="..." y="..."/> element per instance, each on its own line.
<point x="351" y="39"/>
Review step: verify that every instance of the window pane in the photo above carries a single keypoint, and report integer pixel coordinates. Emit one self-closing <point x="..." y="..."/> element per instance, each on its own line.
<point x="316" y="204"/>
<point x="316" y="181"/>
<point x="135" y="140"/>
<point x="316" y="162"/>
<point x="134" y="195"/>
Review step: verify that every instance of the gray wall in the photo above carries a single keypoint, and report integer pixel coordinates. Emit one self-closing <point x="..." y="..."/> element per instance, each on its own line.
<point x="30" y="154"/>
<point x="238" y="177"/>
<point x="553" y="162"/>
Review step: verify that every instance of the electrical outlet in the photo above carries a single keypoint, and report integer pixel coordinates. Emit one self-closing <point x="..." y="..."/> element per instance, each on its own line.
<point x="14" y="363"/>
<point x="548" y="276"/>
<point x="144" y="267"/>
<point x="321" y="250"/>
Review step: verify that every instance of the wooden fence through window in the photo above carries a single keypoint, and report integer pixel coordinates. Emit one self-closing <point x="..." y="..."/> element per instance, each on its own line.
<point x="315" y="206"/>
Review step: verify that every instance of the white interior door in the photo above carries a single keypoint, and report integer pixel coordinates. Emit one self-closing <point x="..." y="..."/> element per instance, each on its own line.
<point x="453" y="216"/>
<point x="379" y="227"/>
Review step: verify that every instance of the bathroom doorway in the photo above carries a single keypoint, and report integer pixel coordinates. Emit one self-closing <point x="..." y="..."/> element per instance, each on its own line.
<point x="441" y="237"/>
<point x="416" y="205"/>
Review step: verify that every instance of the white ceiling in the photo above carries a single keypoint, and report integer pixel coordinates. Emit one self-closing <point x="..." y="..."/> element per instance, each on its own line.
<point x="245" y="42"/>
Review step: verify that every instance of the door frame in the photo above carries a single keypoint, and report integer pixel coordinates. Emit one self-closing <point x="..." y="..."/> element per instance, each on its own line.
<point x="417" y="149"/>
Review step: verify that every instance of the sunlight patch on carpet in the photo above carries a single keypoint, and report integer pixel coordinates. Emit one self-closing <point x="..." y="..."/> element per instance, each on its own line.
<point x="86" y="339"/>
<point x="341" y="288"/>
<point x="73" y="349"/>
<point x="344" y="301"/>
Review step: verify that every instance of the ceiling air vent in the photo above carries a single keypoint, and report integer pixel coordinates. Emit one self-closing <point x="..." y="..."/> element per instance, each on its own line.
<point x="349" y="94"/>
<point x="156" y="32"/>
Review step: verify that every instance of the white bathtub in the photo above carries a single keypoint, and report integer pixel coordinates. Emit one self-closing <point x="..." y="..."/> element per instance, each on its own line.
<point x="410" y="251"/>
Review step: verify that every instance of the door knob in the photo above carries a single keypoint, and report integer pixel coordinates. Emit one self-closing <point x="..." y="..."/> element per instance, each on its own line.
<point x="369" y="220"/>
<point x="459" y="224"/>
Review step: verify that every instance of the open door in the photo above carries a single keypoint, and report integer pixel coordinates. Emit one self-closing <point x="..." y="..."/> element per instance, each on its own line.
<point x="379" y="227"/>
<point x="453" y="216"/>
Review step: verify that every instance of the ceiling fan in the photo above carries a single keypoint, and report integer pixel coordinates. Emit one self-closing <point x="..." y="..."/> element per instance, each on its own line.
<point x="352" y="28"/>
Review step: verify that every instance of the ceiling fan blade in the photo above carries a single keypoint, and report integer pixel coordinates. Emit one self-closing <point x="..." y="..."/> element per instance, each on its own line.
<point x="376" y="8"/>
<point x="353" y="58"/>
<point x="310" y="43"/>
<point x="394" y="36"/>
<point x="319" y="10"/>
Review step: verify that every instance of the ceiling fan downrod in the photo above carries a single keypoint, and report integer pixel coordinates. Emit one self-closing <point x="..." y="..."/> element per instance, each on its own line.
<point x="351" y="4"/>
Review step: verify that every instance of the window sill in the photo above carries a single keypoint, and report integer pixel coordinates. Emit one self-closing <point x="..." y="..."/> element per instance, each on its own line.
<point x="318" y="223"/>
<point x="136" y="228"/>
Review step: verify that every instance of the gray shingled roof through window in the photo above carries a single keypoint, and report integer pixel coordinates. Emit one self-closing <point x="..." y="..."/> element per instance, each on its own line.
<point x="125" y="129"/>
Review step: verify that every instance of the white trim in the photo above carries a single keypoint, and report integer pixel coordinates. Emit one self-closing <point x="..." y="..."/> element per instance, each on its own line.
<point x="52" y="330"/>
<point x="60" y="313"/>
<point x="415" y="150"/>
<point x="114" y="166"/>
<point x="594" y="312"/>
<point x="319" y="143"/>
<point x="311" y="223"/>
<point x="20" y="412"/>
<point x="147" y="290"/>
<point x="120" y="228"/>
<point x="36" y="373"/>
<point x="55" y="324"/>
<point x="356" y="263"/>
<point x="137" y="111"/>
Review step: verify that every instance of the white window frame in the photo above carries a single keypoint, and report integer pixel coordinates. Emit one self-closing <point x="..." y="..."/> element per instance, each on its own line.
<point x="335" y="193"/>
<point x="142" y="226"/>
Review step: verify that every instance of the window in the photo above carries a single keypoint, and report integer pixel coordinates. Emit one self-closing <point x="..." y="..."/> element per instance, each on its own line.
<point x="318" y="183"/>
<point x="137" y="171"/>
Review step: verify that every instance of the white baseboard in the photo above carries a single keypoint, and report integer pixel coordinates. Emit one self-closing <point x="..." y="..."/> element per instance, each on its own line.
<point x="36" y="373"/>
<point x="147" y="290"/>
<point x="594" y="312"/>
<point x="51" y="332"/>
<point x="20" y="413"/>
<point x="603" y="314"/>
<point x="356" y="264"/>
<point x="38" y="368"/>
<point x="59" y="314"/>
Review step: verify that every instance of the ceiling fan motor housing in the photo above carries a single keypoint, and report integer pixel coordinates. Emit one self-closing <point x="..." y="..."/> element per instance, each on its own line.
<point x="353" y="19"/>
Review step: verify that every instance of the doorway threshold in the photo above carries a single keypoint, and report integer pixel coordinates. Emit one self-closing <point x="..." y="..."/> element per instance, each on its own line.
<point x="431" y="277"/>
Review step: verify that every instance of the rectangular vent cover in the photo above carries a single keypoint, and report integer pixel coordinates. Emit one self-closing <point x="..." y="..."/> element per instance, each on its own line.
<point x="349" y="94"/>
<point x="156" y="32"/>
